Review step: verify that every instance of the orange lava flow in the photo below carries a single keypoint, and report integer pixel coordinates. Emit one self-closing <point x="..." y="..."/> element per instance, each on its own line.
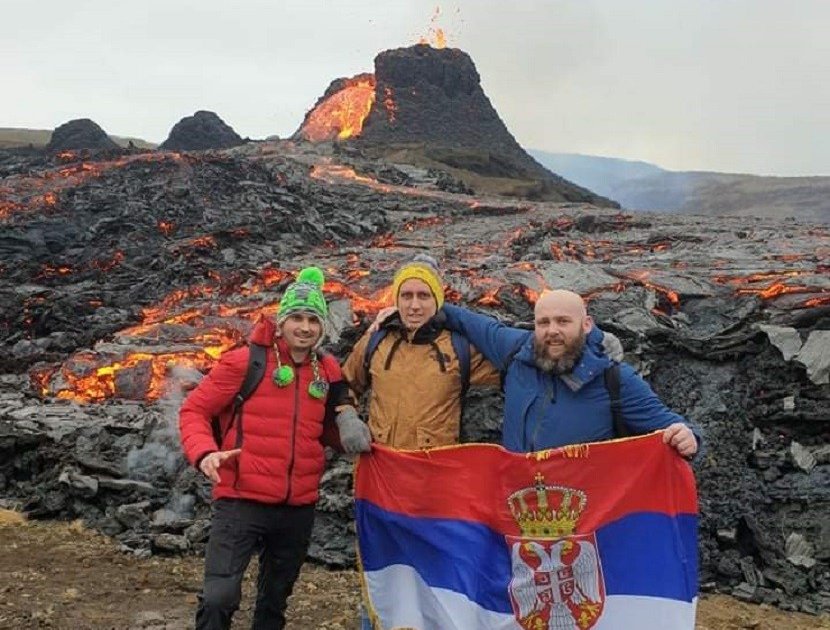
<point x="337" y="174"/>
<point x="390" y="105"/>
<point x="101" y="383"/>
<point x="23" y="193"/>
<point x="642" y="277"/>
<point x="342" y="114"/>
<point x="774" y="290"/>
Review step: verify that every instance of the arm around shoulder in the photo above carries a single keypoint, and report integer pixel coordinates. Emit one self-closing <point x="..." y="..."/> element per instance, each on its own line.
<point x="354" y="372"/>
<point x="492" y="338"/>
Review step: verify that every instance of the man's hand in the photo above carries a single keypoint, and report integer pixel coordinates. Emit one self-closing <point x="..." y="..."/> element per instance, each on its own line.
<point x="210" y="463"/>
<point x="382" y="316"/>
<point x="354" y="433"/>
<point x="679" y="436"/>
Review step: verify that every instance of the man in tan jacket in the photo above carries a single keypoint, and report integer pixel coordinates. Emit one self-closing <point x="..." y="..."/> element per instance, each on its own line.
<point x="415" y="378"/>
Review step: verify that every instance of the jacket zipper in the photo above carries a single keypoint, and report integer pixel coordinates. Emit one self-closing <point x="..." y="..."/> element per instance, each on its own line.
<point x="293" y="436"/>
<point x="540" y="417"/>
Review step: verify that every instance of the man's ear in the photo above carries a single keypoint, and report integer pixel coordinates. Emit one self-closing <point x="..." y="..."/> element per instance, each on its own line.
<point x="587" y="324"/>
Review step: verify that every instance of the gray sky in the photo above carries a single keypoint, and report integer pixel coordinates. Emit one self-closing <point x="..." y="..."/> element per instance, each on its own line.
<point x="727" y="85"/>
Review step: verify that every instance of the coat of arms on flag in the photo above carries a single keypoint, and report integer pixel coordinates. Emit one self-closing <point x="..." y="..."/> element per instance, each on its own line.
<point x="473" y="537"/>
<point x="557" y="577"/>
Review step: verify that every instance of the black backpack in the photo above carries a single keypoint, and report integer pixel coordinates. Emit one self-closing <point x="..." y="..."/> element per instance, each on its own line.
<point x="253" y="376"/>
<point x="612" y="384"/>
<point x="460" y="346"/>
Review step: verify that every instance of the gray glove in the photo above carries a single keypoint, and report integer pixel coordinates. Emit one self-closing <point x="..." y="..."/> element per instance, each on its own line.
<point x="354" y="433"/>
<point x="612" y="346"/>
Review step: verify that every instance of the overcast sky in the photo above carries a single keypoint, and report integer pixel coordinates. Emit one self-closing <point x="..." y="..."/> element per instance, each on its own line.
<point x="727" y="85"/>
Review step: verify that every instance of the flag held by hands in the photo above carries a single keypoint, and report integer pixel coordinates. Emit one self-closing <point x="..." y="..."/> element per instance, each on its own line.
<point x="591" y="536"/>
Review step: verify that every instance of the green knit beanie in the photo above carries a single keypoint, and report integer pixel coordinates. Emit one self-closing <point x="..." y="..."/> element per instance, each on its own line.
<point x="305" y="295"/>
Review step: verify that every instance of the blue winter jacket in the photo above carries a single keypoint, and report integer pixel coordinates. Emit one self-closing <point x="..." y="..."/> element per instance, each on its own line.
<point x="542" y="410"/>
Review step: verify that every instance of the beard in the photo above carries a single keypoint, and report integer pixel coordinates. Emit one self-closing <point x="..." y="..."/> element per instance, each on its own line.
<point x="564" y="364"/>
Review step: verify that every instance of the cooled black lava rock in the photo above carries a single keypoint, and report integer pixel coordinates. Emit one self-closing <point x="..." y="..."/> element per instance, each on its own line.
<point x="203" y="130"/>
<point x="81" y="133"/>
<point x="430" y="103"/>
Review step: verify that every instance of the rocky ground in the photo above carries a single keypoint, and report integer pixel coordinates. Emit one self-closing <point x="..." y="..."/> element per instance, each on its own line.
<point x="61" y="575"/>
<point x="123" y="278"/>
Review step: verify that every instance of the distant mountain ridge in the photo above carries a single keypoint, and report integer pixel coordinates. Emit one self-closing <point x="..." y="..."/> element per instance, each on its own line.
<point x="645" y="186"/>
<point x="14" y="137"/>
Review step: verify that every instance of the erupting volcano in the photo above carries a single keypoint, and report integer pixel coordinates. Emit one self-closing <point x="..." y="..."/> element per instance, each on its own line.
<point x="124" y="277"/>
<point x="425" y="105"/>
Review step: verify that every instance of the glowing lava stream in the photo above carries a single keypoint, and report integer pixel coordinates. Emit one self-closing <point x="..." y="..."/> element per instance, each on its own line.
<point x="92" y="377"/>
<point x="341" y="115"/>
<point x="30" y="192"/>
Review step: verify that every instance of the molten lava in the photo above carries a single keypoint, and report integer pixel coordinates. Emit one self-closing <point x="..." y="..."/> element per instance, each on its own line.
<point x="774" y="285"/>
<point x="643" y="278"/>
<point x="166" y="227"/>
<point x="89" y="377"/>
<point x="94" y="384"/>
<point x="338" y="174"/>
<point x="435" y="36"/>
<point x="341" y="115"/>
<point x="40" y="192"/>
<point x="390" y="105"/>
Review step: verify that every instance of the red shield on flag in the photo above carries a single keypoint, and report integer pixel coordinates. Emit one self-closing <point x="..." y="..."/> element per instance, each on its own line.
<point x="556" y="583"/>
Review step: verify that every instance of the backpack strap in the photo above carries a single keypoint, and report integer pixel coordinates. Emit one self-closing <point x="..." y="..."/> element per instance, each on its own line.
<point x="256" y="370"/>
<point x="462" y="352"/>
<point x="612" y="384"/>
<point x="374" y="341"/>
<point x="505" y="365"/>
<point x="257" y="356"/>
<point x="460" y="346"/>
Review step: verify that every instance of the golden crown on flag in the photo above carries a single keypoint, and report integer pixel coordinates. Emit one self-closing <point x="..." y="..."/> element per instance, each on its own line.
<point x="545" y="511"/>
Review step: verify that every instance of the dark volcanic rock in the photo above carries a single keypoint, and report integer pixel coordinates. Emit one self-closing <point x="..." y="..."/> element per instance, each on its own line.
<point x="431" y="99"/>
<point x="434" y="96"/>
<point x="79" y="134"/>
<point x="729" y="321"/>
<point x="438" y="99"/>
<point x="202" y="130"/>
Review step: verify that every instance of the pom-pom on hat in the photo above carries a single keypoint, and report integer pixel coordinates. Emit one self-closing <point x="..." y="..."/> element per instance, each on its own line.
<point x="305" y="295"/>
<point x="424" y="268"/>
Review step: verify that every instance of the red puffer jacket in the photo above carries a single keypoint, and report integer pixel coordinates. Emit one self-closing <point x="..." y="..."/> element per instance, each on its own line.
<point x="282" y="455"/>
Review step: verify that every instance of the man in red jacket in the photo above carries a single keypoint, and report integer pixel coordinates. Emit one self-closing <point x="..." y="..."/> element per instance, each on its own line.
<point x="267" y="468"/>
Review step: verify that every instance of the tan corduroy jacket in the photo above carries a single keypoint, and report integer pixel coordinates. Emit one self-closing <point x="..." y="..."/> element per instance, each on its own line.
<point x="413" y="404"/>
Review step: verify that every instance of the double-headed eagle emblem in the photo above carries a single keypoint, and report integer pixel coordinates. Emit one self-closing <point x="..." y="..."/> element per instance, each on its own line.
<point x="557" y="577"/>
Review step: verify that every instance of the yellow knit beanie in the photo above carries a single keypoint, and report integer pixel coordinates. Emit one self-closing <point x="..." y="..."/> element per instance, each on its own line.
<point x="423" y="268"/>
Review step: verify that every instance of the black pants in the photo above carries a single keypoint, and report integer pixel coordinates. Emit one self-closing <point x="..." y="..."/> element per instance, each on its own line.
<point x="239" y="528"/>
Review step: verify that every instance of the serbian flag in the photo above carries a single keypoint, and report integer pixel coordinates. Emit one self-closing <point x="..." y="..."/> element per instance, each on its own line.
<point x="473" y="537"/>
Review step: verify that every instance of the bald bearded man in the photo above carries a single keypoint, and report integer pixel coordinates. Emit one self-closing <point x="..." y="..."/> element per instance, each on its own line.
<point x="554" y="389"/>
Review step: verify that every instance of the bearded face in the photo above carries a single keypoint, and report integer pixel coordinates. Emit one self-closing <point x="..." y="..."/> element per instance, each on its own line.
<point x="558" y="353"/>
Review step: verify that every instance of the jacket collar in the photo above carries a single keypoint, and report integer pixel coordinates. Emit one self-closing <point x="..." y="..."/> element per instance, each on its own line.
<point x="591" y="364"/>
<point x="425" y="334"/>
